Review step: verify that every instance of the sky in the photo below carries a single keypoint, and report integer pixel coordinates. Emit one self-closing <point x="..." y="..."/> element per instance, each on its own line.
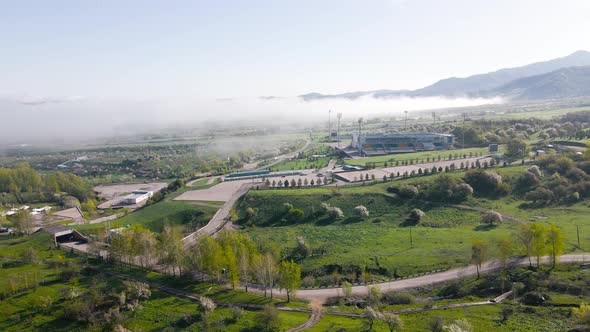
<point x="183" y="52"/>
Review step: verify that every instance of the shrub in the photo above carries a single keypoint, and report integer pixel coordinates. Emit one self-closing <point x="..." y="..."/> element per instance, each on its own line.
<point x="535" y="298"/>
<point x="361" y="211"/>
<point x="416" y="215"/>
<point x="491" y="218"/>
<point x="399" y="298"/>
<point x="408" y="192"/>
<point x="295" y="215"/>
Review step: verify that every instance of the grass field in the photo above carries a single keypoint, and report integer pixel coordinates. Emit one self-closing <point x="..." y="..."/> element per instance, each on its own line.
<point x="422" y="155"/>
<point x="157" y="215"/>
<point x="443" y="239"/>
<point x="302" y="164"/>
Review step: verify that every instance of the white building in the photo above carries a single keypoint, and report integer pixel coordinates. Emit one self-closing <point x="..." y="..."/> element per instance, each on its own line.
<point x="137" y="197"/>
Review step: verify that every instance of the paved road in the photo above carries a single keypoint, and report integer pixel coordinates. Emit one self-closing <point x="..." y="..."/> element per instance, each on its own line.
<point x="322" y="294"/>
<point x="220" y="218"/>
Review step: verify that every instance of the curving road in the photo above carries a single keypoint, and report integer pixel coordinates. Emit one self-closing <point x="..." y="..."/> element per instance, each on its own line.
<point x="220" y="218"/>
<point x="322" y="294"/>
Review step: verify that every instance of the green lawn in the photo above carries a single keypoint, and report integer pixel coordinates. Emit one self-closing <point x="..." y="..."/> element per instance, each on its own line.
<point x="382" y="241"/>
<point x="415" y="155"/>
<point x="157" y="215"/>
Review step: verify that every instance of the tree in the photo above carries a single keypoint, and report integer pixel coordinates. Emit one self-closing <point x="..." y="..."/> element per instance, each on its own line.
<point x="516" y="148"/>
<point x="23" y="222"/>
<point x="539" y="195"/>
<point x="504" y="249"/>
<point x="525" y="237"/>
<point x="479" y="251"/>
<point x="289" y="278"/>
<point x="268" y="319"/>
<point x="374" y="295"/>
<point x="347" y="289"/>
<point x="408" y="192"/>
<point x="416" y="215"/>
<point x="491" y="218"/>
<point x="460" y="325"/>
<point x="393" y="321"/>
<point x="171" y="248"/>
<point x="539" y="241"/>
<point x="207" y="306"/>
<point x="266" y="272"/>
<point x="361" y="211"/>
<point x="370" y="315"/>
<point x="295" y="215"/>
<point x="582" y="313"/>
<point x="556" y="242"/>
<point x="250" y="213"/>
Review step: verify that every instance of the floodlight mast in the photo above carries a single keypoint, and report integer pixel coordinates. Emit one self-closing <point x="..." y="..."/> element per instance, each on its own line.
<point x="360" y="121"/>
<point x="406" y="120"/>
<point x="329" y="125"/>
<point x="338" y="116"/>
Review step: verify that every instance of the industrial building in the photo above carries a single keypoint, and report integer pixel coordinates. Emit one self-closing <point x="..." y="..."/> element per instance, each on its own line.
<point x="137" y="197"/>
<point x="380" y="144"/>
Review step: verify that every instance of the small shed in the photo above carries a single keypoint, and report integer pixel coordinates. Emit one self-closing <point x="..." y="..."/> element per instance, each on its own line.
<point x="62" y="234"/>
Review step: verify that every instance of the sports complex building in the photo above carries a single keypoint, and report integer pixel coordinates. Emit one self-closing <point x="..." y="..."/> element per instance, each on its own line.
<point x="380" y="144"/>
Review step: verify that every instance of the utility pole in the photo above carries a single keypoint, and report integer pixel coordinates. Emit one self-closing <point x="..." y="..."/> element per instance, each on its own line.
<point x="411" y="241"/>
<point x="406" y="120"/>
<point x="578" y="234"/>
<point x="433" y="119"/>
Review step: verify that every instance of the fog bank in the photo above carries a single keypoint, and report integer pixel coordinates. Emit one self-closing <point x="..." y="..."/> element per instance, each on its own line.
<point x="69" y="119"/>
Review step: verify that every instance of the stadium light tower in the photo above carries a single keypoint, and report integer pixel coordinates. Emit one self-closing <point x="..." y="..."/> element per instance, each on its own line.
<point x="338" y="116"/>
<point x="360" y="121"/>
<point x="406" y="120"/>
<point x="330" y="125"/>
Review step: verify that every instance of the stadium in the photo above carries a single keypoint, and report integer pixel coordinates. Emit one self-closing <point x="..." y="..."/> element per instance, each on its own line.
<point x="382" y="144"/>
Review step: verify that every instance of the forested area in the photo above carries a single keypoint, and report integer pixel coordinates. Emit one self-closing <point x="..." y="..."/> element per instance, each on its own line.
<point x="23" y="184"/>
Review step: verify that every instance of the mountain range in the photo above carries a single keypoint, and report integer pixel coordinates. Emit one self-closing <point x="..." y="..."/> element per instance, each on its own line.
<point x="564" y="77"/>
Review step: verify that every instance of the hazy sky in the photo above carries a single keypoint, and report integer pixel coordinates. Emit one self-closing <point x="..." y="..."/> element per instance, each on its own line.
<point x="214" y="49"/>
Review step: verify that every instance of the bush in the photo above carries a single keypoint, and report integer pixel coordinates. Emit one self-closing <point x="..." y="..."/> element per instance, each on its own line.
<point x="491" y="218"/>
<point x="535" y="298"/>
<point x="295" y="215"/>
<point x="484" y="182"/>
<point x="399" y="298"/>
<point x="408" y="192"/>
<point x="361" y="211"/>
<point x="416" y="215"/>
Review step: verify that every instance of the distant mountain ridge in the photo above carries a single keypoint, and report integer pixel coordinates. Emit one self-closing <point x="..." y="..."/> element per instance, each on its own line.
<point x="515" y="83"/>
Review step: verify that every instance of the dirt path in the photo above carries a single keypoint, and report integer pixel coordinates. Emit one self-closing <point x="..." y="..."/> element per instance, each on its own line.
<point x="314" y="318"/>
<point x="323" y="294"/>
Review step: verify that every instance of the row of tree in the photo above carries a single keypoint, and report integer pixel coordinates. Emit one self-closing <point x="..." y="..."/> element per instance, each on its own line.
<point x="230" y="256"/>
<point x="534" y="239"/>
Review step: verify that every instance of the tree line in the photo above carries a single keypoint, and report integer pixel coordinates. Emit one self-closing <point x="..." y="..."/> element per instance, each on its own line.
<point x="27" y="185"/>
<point x="229" y="257"/>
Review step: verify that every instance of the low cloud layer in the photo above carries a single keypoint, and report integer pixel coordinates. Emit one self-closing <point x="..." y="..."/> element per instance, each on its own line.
<point x="74" y="119"/>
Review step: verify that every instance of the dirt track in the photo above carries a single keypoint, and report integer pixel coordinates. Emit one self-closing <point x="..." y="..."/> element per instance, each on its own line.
<point x="322" y="294"/>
